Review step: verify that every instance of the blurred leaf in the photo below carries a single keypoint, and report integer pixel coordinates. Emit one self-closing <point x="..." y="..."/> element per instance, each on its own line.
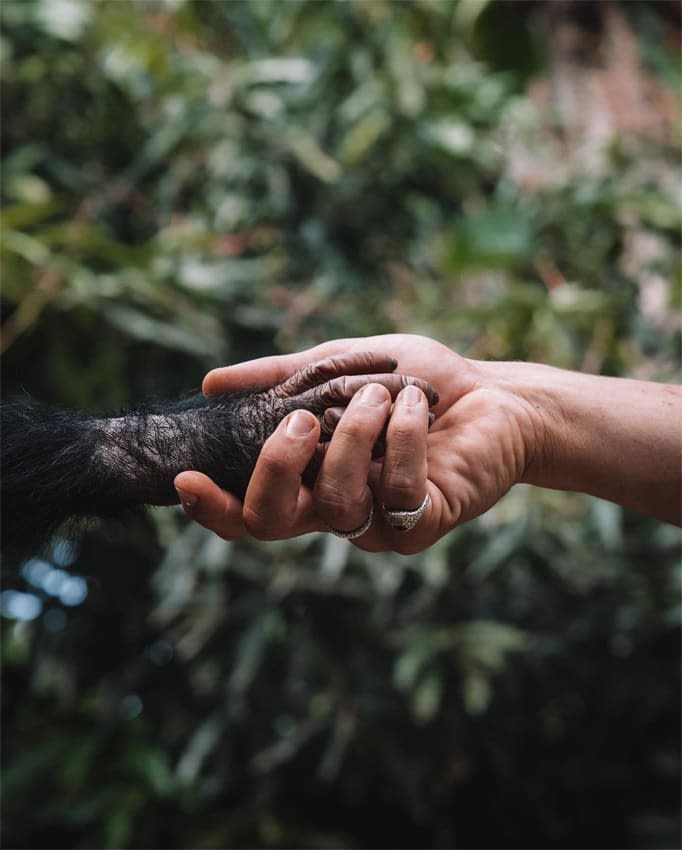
<point x="455" y="137"/>
<point x="140" y="325"/>
<point x="485" y="643"/>
<point x="29" y="189"/>
<point x="363" y="136"/>
<point x="495" y="238"/>
<point x="307" y="151"/>
<point x="410" y="664"/>
<point x="198" y="749"/>
<point x="21" y="216"/>
<point x="250" y="651"/>
<point x="427" y="697"/>
<point x="65" y="19"/>
<point x="263" y="71"/>
<point x="477" y="692"/>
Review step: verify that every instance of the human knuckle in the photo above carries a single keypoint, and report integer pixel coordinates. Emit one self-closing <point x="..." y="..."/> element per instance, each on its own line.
<point x="404" y="440"/>
<point x="334" y="498"/>
<point x="399" y="481"/>
<point x="356" y="428"/>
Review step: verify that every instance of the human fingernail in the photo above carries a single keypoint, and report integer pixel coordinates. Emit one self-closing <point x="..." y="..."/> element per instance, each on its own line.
<point x="189" y="500"/>
<point x="411" y="395"/>
<point x="299" y="424"/>
<point x="373" y="394"/>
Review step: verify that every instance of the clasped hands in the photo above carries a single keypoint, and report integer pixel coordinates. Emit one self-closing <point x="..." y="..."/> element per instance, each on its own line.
<point x="481" y="443"/>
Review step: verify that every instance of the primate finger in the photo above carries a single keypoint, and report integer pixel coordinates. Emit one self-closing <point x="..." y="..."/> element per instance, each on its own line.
<point x="311" y="471"/>
<point x="339" y="391"/>
<point x="330" y="419"/>
<point x="313" y="374"/>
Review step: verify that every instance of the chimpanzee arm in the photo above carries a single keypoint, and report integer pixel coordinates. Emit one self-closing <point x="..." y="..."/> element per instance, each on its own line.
<point x="61" y="465"/>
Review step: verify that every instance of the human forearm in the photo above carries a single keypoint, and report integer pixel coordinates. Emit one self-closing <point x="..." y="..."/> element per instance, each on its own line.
<point x="614" y="438"/>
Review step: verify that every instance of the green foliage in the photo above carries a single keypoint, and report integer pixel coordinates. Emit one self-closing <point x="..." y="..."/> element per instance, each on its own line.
<point x="191" y="183"/>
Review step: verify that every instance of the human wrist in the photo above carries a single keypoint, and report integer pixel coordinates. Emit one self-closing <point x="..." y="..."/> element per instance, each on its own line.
<point x="614" y="438"/>
<point x="535" y="393"/>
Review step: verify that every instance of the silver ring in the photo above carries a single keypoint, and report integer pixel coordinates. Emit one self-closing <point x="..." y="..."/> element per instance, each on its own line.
<point x="358" y="532"/>
<point x="405" y="520"/>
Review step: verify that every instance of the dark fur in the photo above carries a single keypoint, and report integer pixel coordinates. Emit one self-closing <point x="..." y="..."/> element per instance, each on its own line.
<point x="61" y="465"/>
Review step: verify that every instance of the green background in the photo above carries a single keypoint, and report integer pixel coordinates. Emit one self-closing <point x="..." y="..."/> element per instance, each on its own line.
<point x="187" y="184"/>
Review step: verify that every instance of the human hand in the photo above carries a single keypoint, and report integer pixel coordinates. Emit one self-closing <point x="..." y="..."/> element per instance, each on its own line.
<point x="481" y="443"/>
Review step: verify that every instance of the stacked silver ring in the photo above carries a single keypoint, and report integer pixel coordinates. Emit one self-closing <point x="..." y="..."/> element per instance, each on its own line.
<point x="358" y="532"/>
<point x="405" y="520"/>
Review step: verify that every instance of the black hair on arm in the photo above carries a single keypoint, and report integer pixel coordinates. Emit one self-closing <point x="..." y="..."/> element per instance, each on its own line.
<point x="60" y="466"/>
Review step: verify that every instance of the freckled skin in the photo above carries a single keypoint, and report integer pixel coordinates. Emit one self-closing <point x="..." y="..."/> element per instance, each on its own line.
<point x="62" y="466"/>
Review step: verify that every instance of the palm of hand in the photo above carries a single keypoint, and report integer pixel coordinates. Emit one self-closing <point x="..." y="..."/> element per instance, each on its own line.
<point x="477" y="448"/>
<point x="476" y="452"/>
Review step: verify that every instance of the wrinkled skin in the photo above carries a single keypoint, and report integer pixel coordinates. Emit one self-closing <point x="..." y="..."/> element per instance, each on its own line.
<point x="61" y="465"/>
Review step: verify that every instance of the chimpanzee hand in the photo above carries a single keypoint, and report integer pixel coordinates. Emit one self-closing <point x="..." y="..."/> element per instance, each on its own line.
<point x="322" y="388"/>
